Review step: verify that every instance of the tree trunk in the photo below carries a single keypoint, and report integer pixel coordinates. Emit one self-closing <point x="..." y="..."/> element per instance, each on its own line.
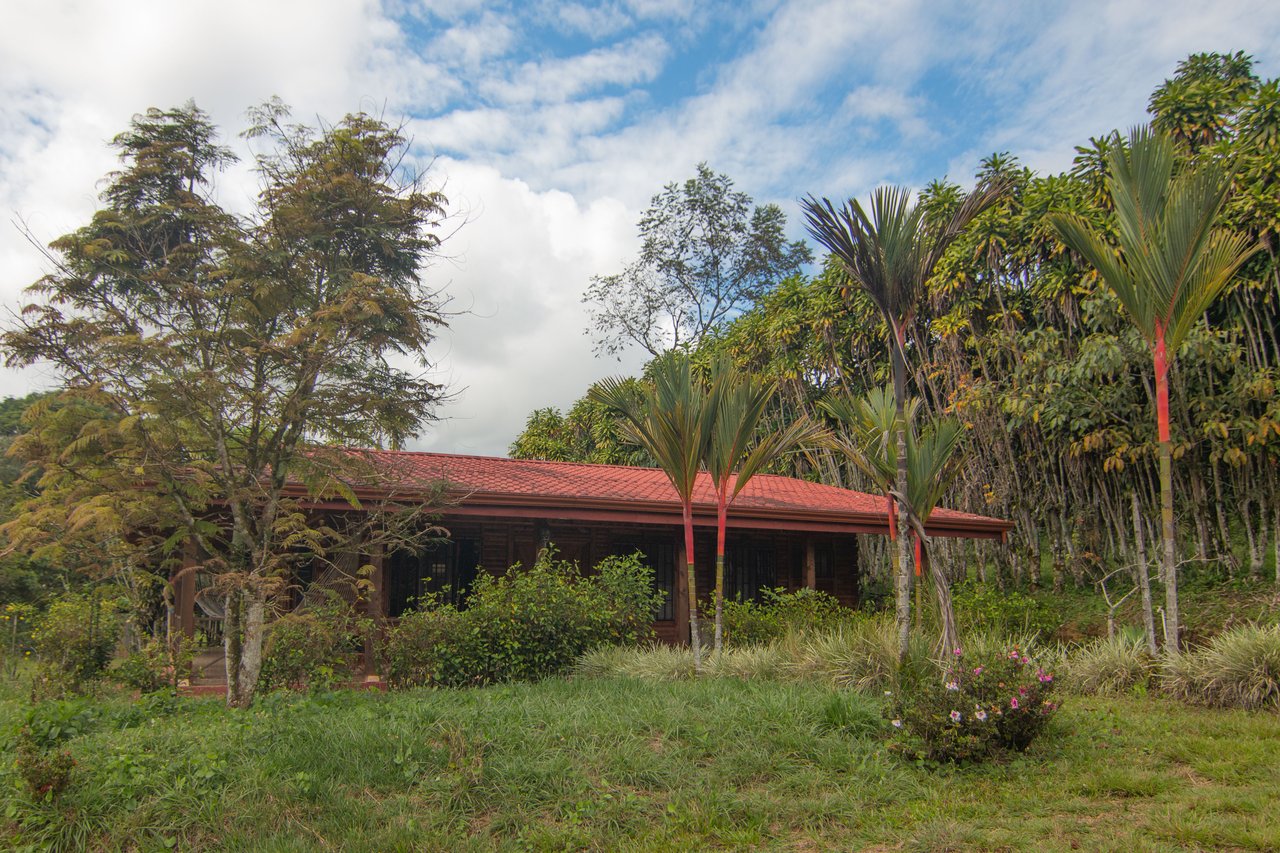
<point x="946" y="612"/>
<point x="1275" y="535"/>
<point x="1171" y="629"/>
<point x="904" y="548"/>
<point x="695" y="635"/>
<point x="721" y="520"/>
<point x="1144" y="581"/>
<point x="254" y="623"/>
<point x="231" y="645"/>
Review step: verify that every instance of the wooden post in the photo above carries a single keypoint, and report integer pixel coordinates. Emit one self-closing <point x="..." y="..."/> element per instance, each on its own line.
<point x="376" y="608"/>
<point x="682" y="596"/>
<point x="810" y="565"/>
<point x="184" y="591"/>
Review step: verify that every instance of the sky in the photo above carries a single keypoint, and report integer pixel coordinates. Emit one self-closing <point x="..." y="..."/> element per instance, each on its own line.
<point x="550" y="125"/>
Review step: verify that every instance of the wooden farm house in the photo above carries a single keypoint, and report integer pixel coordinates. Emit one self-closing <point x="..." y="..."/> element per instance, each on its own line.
<point x="782" y="532"/>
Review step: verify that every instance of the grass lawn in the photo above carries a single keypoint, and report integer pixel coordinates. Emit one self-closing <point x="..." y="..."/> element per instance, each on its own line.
<point x="618" y="764"/>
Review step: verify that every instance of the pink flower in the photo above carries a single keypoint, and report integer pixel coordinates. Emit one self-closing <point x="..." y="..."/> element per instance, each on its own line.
<point x="1022" y="691"/>
<point x="957" y="652"/>
<point x="1026" y="660"/>
<point x="1013" y="703"/>
<point x="977" y="670"/>
<point x="1044" y="677"/>
<point x="981" y="715"/>
<point x="955" y="716"/>
<point x="951" y="685"/>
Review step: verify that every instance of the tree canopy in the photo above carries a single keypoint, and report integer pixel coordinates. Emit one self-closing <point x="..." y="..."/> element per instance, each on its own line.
<point x="218" y="366"/>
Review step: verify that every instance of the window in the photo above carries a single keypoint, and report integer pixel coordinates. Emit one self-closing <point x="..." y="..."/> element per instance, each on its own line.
<point x="824" y="562"/>
<point x="446" y="570"/>
<point x="660" y="556"/>
<point x="749" y="568"/>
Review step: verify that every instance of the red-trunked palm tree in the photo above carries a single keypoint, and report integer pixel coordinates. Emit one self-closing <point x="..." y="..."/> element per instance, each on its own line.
<point x="672" y="420"/>
<point x="1169" y="263"/>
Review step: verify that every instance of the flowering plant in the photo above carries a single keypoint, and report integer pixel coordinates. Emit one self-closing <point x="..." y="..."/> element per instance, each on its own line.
<point x="978" y="707"/>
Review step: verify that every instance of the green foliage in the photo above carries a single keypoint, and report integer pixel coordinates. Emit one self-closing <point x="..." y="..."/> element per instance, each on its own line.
<point x="1114" y="666"/>
<point x="981" y="705"/>
<point x="1239" y="668"/>
<point x="526" y="625"/>
<point x="46" y="772"/>
<point x="981" y="607"/>
<point x="50" y="724"/>
<point x="74" y="640"/>
<point x="588" y="432"/>
<point x="156" y="666"/>
<point x="313" y="647"/>
<point x="779" y="612"/>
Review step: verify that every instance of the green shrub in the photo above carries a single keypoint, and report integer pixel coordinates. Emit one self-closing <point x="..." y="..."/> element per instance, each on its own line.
<point x="156" y="666"/>
<point x="430" y="645"/>
<point x="983" y="608"/>
<point x="73" y="640"/>
<point x="312" y="648"/>
<point x="49" y="724"/>
<point x="1112" y="666"/>
<point x="523" y="626"/>
<point x="1239" y="668"/>
<point x="45" y="771"/>
<point x="980" y="706"/>
<point x="779" y="612"/>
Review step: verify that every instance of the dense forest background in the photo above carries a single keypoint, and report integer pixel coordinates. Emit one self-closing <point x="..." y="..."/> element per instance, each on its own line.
<point x="1019" y="339"/>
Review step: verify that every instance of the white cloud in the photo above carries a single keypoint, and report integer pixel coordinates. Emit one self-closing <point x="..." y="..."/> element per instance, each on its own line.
<point x="557" y="80"/>
<point x="597" y="21"/>
<point x="523" y="260"/>
<point x="555" y="152"/>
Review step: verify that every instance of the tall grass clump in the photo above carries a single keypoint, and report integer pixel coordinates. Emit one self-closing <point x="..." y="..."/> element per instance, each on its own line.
<point x="862" y="655"/>
<point x="1110" y="667"/>
<point x="1239" y="668"/>
<point x="651" y="662"/>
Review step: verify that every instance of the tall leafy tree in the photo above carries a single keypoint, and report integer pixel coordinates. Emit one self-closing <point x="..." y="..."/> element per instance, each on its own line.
<point x="740" y="446"/>
<point x="1169" y="264"/>
<point x="234" y="357"/>
<point x="706" y="253"/>
<point x="889" y="252"/>
<point x="673" y="421"/>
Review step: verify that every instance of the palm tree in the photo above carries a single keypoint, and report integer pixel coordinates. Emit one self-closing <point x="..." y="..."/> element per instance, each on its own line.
<point x="868" y="439"/>
<point x="672" y="421"/>
<point x="890" y="252"/>
<point x="739" y="446"/>
<point x="1170" y="263"/>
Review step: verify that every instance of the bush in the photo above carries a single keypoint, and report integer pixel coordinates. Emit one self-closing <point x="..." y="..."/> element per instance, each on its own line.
<point x="46" y="772"/>
<point x="779" y="612"/>
<point x="1239" y="668"/>
<point x="979" y="707"/>
<point x="980" y="607"/>
<point x="156" y="666"/>
<point x="523" y="626"/>
<point x="74" y="640"/>
<point x="312" y="648"/>
<point x="1112" y="667"/>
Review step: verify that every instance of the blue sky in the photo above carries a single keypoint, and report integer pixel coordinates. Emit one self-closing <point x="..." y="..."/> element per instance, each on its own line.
<point x="550" y="125"/>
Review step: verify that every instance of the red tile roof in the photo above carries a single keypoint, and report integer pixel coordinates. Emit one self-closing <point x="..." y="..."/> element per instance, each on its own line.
<point x="494" y="485"/>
